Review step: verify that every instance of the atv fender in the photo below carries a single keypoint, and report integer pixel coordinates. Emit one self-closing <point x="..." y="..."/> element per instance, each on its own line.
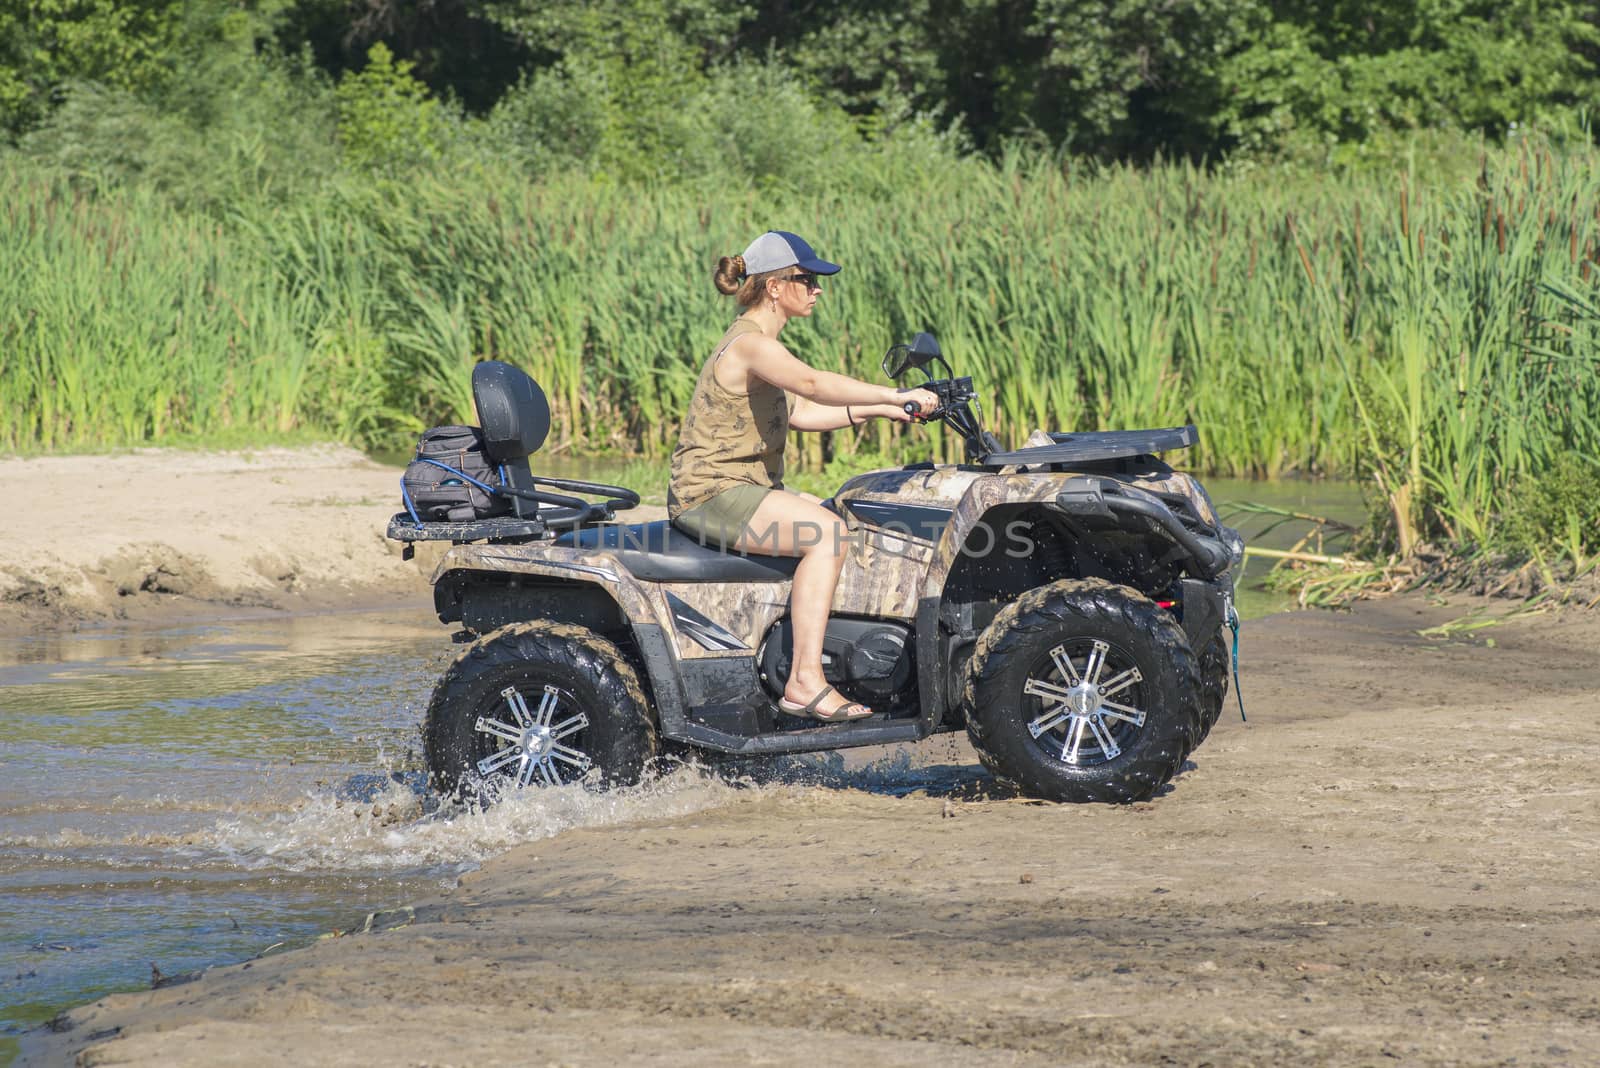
<point x="984" y="517"/>
<point x="971" y="513"/>
<point x="1108" y="499"/>
<point x="590" y="584"/>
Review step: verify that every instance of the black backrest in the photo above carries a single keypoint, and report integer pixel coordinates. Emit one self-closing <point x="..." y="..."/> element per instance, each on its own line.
<point x="515" y="417"/>
<point x="512" y="410"/>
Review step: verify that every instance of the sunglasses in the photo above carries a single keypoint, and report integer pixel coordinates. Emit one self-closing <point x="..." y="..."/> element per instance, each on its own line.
<point x="805" y="278"/>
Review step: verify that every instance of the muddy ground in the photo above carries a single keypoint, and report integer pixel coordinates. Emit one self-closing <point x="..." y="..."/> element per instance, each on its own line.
<point x="1394" y="861"/>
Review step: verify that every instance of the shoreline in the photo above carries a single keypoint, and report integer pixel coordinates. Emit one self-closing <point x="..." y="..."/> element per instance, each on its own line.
<point x="1358" y="873"/>
<point x="154" y="536"/>
<point x="157" y="535"/>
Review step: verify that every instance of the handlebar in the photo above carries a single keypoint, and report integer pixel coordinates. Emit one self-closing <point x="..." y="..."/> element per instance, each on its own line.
<point x="954" y="408"/>
<point x="957" y="399"/>
<point x="952" y="393"/>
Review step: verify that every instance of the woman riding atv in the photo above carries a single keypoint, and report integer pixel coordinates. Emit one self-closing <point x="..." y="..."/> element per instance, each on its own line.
<point x="727" y="471"/>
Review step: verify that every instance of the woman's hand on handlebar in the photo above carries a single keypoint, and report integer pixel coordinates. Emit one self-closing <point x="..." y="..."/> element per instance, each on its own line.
<point x="910" y="403"/>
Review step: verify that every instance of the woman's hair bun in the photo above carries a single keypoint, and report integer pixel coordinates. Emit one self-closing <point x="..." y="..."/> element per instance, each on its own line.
<point x="729" y="273"/>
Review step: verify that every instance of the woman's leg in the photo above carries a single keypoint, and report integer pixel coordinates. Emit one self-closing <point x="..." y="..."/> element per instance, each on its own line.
<point x="786" y="524"/>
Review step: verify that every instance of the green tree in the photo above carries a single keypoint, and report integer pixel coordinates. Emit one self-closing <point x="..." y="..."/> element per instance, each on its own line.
<point x="644" y="88"/>
<point x="622" y="79"/>
<point x="387" y="120"/>
<point x="457" y="50"/>
<point x="1129" y="78"/>
<point x="1112" y="77"/>
<point x="973" y="61"/>
<point x="226" y="119"/>
<point x="701" y="33"/>
<point x="46" y="44"/>
<point x="1325" y="71"/>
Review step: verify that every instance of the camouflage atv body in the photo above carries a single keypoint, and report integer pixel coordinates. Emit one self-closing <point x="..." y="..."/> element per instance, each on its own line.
<point x="1063" y="603"/>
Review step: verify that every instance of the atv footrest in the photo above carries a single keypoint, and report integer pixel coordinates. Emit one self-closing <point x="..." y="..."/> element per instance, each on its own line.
<point x="873" y="731"/>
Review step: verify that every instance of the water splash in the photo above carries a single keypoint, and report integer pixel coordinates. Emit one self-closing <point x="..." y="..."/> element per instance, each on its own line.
<point x="391" y="823"/>
<point x="394" y="825"/>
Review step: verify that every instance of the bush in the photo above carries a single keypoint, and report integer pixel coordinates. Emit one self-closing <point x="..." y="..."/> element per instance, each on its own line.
<point x="387" y="120"/>
<point x="1556" y="514"/>
<point x="213" y="139"/>
<point x="551" y="120"/>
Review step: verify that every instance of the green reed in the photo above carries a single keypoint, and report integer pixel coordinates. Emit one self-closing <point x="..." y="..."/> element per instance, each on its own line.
<point x="120" y="323"/>
<point x="1432" y="336"/>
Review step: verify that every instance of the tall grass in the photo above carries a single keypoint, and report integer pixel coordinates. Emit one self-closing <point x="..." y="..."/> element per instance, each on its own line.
<point x="1430" y="335"/>
<point x="120" y="324"/>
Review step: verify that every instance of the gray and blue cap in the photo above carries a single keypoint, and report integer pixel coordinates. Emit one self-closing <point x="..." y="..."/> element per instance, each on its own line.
<point x="777" y="249"/>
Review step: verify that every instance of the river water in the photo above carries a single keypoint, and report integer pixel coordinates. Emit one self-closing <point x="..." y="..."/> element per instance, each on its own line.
<point x="176" y="798"/>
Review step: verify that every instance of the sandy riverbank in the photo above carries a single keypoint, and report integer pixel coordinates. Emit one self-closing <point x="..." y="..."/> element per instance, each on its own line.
<point x="159" y="534"/>
<point x="1395" y="860"/>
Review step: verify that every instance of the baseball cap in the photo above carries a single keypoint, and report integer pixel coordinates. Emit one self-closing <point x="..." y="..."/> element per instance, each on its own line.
<point x="776" y="249"/>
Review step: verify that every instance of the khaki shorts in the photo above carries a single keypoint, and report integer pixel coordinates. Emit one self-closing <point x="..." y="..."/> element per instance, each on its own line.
<point x="720" y="521"/>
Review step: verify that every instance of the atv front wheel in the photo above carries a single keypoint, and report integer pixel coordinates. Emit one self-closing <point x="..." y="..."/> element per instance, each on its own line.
<point x="1082" y="690"/>
<point x="537" y="704"/>
<point x="1213" y="684"/>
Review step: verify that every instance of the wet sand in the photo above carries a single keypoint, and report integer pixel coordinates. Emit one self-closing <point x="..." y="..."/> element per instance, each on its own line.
<point x="1393" y="861"/>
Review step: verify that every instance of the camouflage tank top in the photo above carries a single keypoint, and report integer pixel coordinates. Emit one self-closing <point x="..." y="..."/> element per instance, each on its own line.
<point x="728" y="439"/>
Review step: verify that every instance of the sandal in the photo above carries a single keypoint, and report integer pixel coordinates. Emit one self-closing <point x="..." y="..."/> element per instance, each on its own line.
<point x="841" y="714"/>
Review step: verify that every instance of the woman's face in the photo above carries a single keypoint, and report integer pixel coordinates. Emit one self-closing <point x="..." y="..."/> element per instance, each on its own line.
<point x="797" y="292"/>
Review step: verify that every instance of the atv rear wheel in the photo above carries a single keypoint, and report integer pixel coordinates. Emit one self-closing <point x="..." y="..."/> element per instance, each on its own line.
<point x="1082" y="690"/>
<point x="537" y="704"/>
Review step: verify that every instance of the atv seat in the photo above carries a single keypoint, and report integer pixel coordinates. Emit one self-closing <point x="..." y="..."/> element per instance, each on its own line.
<point x="660" y="552"/>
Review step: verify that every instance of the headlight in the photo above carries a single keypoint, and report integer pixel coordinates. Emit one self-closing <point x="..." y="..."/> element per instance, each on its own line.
<point x="1235" y="543"/>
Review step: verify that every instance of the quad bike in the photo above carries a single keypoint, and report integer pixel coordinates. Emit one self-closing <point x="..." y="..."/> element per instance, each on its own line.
<point x="1063" y="602"/>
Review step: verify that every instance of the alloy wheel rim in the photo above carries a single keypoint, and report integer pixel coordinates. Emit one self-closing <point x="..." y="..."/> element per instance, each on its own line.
<point x="530" y="747"/>
<point x="1089" y="702"/>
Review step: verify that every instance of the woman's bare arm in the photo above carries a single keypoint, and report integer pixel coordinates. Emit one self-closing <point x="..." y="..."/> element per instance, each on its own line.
<point x="809" y="415"/>
<point x="768" y="360"/>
